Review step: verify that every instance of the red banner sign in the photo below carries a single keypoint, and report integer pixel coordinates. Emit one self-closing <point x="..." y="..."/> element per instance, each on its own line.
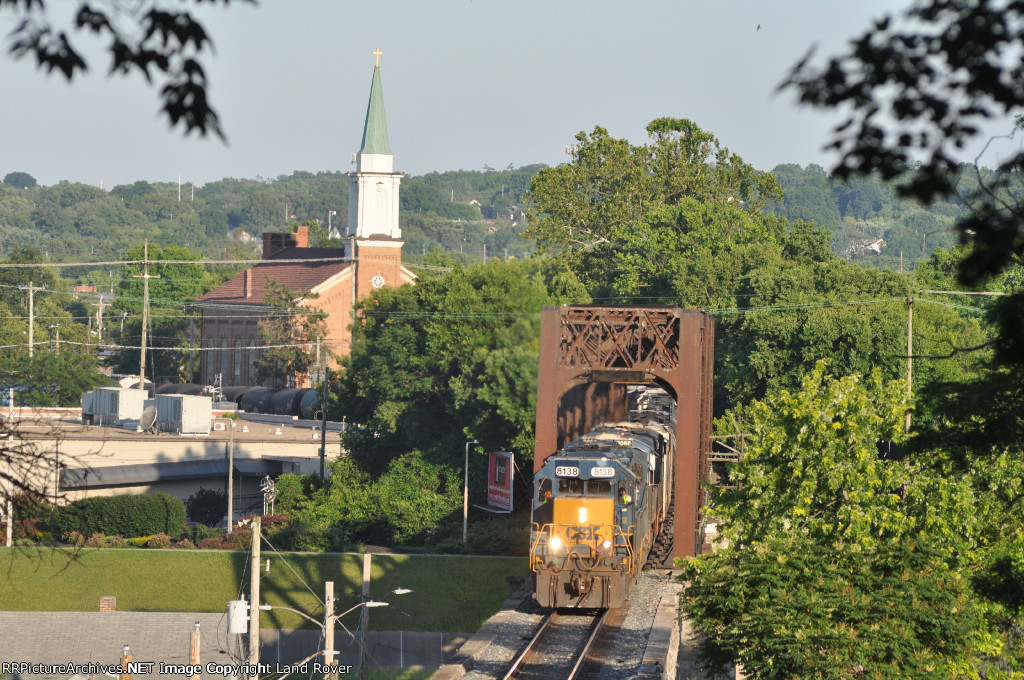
<point x="499" y="480"/>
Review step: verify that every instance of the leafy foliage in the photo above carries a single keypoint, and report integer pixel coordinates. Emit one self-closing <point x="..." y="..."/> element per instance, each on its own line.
<point x="128" y="516"/>
<point x="207" y="506"/>
<point x="20" y="180"/>
<point x="150" y="38"/>
<point x="837" y="561"/>
<point x="451" y="356"/>
<point x="175" y="279"/>
<point x="290" y="330"/>
<point x="919" y="87"/>
<point x="51" y="379"/>
<point x="681" y="221"/>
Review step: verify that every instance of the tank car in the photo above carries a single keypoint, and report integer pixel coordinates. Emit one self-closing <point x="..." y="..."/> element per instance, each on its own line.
<point x="598" y="507"/>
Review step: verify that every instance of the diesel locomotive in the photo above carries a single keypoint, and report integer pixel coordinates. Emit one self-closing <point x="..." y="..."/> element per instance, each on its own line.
<point x="598" y="507"/>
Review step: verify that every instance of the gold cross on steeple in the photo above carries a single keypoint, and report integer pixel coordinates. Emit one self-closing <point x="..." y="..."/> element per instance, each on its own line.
<point x="376" y="52"/>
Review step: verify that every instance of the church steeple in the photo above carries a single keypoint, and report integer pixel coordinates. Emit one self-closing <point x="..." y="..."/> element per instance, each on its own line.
<point x="375" y="130"/>
<point x="375" y="153"/>
<point x="374" y="186"/>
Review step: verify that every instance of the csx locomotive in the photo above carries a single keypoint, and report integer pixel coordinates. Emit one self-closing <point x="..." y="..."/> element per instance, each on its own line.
<point x="598" y="506"/>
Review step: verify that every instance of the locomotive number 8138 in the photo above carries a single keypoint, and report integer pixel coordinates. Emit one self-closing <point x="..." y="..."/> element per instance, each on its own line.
<point x="598" y="506"/>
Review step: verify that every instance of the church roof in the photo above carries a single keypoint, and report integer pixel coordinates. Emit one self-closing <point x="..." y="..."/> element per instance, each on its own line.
<point x="297" y="276"/>
<point x="375" y="131"/>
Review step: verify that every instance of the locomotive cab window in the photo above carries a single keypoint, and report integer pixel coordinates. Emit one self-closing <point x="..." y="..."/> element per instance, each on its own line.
<point x="570" y="486"/>
<point x="599" y="487"/>
<point x="544" y="491"/>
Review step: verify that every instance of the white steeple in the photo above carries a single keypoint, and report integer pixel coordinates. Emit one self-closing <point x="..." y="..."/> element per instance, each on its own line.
<point x="373" y="187"/>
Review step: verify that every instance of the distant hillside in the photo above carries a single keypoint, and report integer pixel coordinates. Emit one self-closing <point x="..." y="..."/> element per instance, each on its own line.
<point x="864" y="209"/>
<point x="463" y="213"/>
<point x="460" y="212"/>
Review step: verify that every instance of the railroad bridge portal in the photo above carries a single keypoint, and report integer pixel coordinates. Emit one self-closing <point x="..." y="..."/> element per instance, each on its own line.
<point x="589" y="354"/>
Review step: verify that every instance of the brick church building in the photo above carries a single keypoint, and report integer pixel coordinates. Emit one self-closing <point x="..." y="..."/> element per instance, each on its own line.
<point x="371" y="259"/>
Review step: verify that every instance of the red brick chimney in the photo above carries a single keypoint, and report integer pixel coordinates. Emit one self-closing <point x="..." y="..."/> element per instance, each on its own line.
<point x="302" y="236"/>
<point x="275" y="242"/>
<point x="247" y="284"/>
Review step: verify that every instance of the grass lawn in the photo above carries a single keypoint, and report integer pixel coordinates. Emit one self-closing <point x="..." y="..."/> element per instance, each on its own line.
<point x="450" y="593"/>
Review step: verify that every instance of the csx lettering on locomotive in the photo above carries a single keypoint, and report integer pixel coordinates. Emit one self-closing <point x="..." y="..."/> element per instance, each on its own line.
<point x="592" y="530"/>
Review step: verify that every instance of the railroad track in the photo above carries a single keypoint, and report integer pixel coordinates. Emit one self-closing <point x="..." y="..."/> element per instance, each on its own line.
<point x="565" y="646"/>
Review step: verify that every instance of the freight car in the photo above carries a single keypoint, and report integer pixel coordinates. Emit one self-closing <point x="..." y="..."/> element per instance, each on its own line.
<point x="290" y="401"/>
<point x="598" y="507"/>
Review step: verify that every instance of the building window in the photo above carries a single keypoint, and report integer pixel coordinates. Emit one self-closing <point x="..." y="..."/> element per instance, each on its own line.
<point x="223" y="358"/>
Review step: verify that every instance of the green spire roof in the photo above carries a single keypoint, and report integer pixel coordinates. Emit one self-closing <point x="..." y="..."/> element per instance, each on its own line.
<point x="375" y="132"/>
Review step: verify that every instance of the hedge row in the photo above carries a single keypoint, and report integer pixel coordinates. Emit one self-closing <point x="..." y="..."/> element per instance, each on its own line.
<point x="128" y="516"/>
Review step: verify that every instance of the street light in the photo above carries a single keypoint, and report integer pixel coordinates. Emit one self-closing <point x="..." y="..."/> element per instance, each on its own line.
<point x="334" y="617"/>
<point x="465" y="493"/>
<point x="330" y="619"/>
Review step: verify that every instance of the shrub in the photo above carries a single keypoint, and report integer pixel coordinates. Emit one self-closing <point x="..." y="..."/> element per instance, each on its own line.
<point x="31" y="506"/>
<point x="129" y="516"/>
<point x="185" y="544"/>
<point x="207" y="506"/>
<point x="95" y="541"/>
<point x="211" y="543"/>
<point x="304" y="537"/>
<point x="116" y="542"/>
<point x="75" y="538"/>
<point x="197" y="532"/>
<point x="158" y="541"/>
<point x="239" y="538"/>
<point x="29" y="529"/>
<point x="272" y="524"/>
<point x="138" y="541"/>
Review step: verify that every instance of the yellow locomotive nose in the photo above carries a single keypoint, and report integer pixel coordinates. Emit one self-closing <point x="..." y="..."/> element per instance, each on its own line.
<point x="583" y="511"/>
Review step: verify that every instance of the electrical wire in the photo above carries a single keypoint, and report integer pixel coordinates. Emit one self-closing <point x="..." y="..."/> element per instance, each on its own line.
<point x="297" y="575"/>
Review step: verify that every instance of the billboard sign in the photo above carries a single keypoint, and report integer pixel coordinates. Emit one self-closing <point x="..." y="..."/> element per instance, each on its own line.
<point x="499" y="480"/>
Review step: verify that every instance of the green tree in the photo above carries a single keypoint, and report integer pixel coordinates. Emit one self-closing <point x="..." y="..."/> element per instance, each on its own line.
<point x="915" y="89"/>
<point x="837" y="561"/>
<point x="181" y="280"/>
<point x="150" y="40"/>
<point x="20" y="180"/>
<point x="51" y="378"/>
<point x="451" y="358"/>
<point x="290" y="329"/>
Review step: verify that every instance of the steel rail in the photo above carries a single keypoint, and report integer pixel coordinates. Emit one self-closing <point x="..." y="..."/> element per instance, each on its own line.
<point x="553" y="616"/>
<point x="549" y="623"/>
<point x="581" y="661"/>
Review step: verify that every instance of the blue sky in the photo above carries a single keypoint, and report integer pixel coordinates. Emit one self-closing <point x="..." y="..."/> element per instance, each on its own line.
<point x="466" y="83"/>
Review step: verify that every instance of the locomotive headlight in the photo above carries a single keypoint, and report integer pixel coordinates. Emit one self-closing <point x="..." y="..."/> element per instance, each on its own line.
<point x="555" y="544"/>
<point x="583" y="515"/>
<point x="606" y="545"/>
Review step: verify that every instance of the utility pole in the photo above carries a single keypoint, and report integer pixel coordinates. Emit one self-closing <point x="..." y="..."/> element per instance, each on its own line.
<point x="191" y="339"/>
<point x="126" y="659"/>
<point x="364" y="622"/>
<point x="31" y="315"/>
<point x="323" y="425"/>
<point x="254" y="599"/>
<point x="231" y="475"/>
<point x="99" y="318"/>
<point x="145" y="276"/>
<point x="355" y="269"/>
<point x="910" y="355"/>
<point x="8" y="488"/>
<point x="193" y="651"/>
<point x="329" y="626"/>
